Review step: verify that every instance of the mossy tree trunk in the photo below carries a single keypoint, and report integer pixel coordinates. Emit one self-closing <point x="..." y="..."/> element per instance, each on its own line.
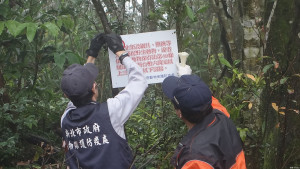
<point x="273" y="141"/>
<point x="282" y="88"/>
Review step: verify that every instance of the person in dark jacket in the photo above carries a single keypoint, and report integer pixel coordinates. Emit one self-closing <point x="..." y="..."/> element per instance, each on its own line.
<point x="94" y="132"/>
<point x="212" y="140"/>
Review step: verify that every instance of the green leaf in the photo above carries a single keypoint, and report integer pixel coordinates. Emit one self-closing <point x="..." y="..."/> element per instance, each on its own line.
<point x="20" y="28"/>
<point x="4" y="9"/>
<point x="203" y="9"/>
<point x="190" y="12"/>
<point x="267" y="67"/>
<point x="2" y="91"/>
<point x="272" y="84"/>
<point x="31" y="30"/>
<point x="283" y="80"/>
<point x="59" y="22"/>
<point x="53" y="29"/>
<point x="1" y="27"/>
<point x="6" y="107"/>
<point x="68" y="21"/>
<point x="73" y="58"/>
<point x="152" y="15"/>
<point x="243" y="132"/>
<point x="225" y="62"/>
<point x="3" y="144"/>
<point x="214" y="82"/>
<point x="12" y="26"/>
<point x="30" y="121"/>
<point x="59" y="59"/>
<point x="236" y="62"/>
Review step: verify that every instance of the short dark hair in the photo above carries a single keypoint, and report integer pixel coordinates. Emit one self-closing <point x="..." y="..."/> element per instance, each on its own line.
<point x="194" y="117"/>
<point x="82" y="100"/>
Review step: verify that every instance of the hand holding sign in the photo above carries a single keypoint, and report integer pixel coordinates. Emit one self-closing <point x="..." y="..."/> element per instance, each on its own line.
<point x="183" y="57"/>
<point x="114" y="42"/>
<point x="182" y="68"/>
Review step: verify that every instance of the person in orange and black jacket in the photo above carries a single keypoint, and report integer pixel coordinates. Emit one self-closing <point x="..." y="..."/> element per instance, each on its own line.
<point x="212" y="140"/>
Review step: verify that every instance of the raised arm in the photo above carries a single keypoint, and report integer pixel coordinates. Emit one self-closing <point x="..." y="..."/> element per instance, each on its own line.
<point x="90" y="59"/>
<point x="95" y="46"/>
<point x="122" y="105"/>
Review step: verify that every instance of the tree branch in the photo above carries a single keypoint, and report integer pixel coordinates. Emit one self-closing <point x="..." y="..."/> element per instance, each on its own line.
<point x="117" y="11"/>
<point x="101" y="13"/>
<point x="269" y="23"/>
<point x="4" y="98"/>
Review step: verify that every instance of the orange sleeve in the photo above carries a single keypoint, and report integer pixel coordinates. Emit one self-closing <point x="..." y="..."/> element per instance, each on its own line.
<point x="240" y="161"/>
<point x="196" y="164"/>
<point x="217" y="105"/>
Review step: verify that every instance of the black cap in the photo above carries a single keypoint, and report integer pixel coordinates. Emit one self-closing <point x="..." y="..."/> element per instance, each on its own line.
<point x="78" y="80"/>
<point x="189" y="92"/>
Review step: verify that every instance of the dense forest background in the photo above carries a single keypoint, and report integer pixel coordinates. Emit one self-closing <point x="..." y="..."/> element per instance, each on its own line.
<point x="248" y="51"/>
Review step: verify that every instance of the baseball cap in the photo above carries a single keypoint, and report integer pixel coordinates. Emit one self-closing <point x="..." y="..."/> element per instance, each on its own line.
<point x="189" y="92"/>
<point x="78" y="80"/>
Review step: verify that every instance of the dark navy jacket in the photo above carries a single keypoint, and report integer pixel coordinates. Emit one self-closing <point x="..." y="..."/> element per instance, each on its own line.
<point x="91" y="141"/>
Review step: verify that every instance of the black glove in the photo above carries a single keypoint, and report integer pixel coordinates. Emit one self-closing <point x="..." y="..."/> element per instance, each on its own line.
<point x="95" y="46"/>
<point x="114" y="42"/>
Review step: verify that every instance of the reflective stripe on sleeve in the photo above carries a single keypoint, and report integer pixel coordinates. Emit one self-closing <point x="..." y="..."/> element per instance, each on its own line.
<point x="197" y="164"/>
<point x="240" y="161"/>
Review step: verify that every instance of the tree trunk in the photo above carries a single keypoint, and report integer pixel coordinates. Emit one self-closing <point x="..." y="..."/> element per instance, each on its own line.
<point x="251" y="21"/>
<point x="148" y="24"/>
<point x="283" y="47"/>
<point x="118" y="11"/>
<point x="229" y="28"/>
<point x="252" y="52"/>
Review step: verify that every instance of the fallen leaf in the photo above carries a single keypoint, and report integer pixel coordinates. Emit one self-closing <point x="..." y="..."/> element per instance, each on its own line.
<point x="22" y="163"/>
<point x="296" y="111"/>
<point x="276" y="64"/>
<point x="275" y="107"/>
<point x="282" y="108"/>
<point x="282" y="112"/>
<point x="250" y="77"/>
<point x="277" y="125"/>
<point x="250" y="105"/>
<point x="291" y="91"/>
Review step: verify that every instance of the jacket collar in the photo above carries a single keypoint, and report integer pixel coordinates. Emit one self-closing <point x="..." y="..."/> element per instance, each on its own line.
<point x="198" y="128"/>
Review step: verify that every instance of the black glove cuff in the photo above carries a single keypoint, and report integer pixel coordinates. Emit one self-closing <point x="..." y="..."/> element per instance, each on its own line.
<point x="121" y="57"/>
<point x="116" y="48"/>
<point x="91" y="52"/>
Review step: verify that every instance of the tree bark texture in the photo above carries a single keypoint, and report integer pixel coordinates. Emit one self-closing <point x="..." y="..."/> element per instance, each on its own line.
<point x="252" y="21"/>
<point x="117" y="11"/>
<point x="226" y="22"/>
<point x="101" y="13"/>
<point x="4" y="97"/>
<point x="240" y="23"/>
<point x="283" y="47"/>
<point x="148" y="24"/>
